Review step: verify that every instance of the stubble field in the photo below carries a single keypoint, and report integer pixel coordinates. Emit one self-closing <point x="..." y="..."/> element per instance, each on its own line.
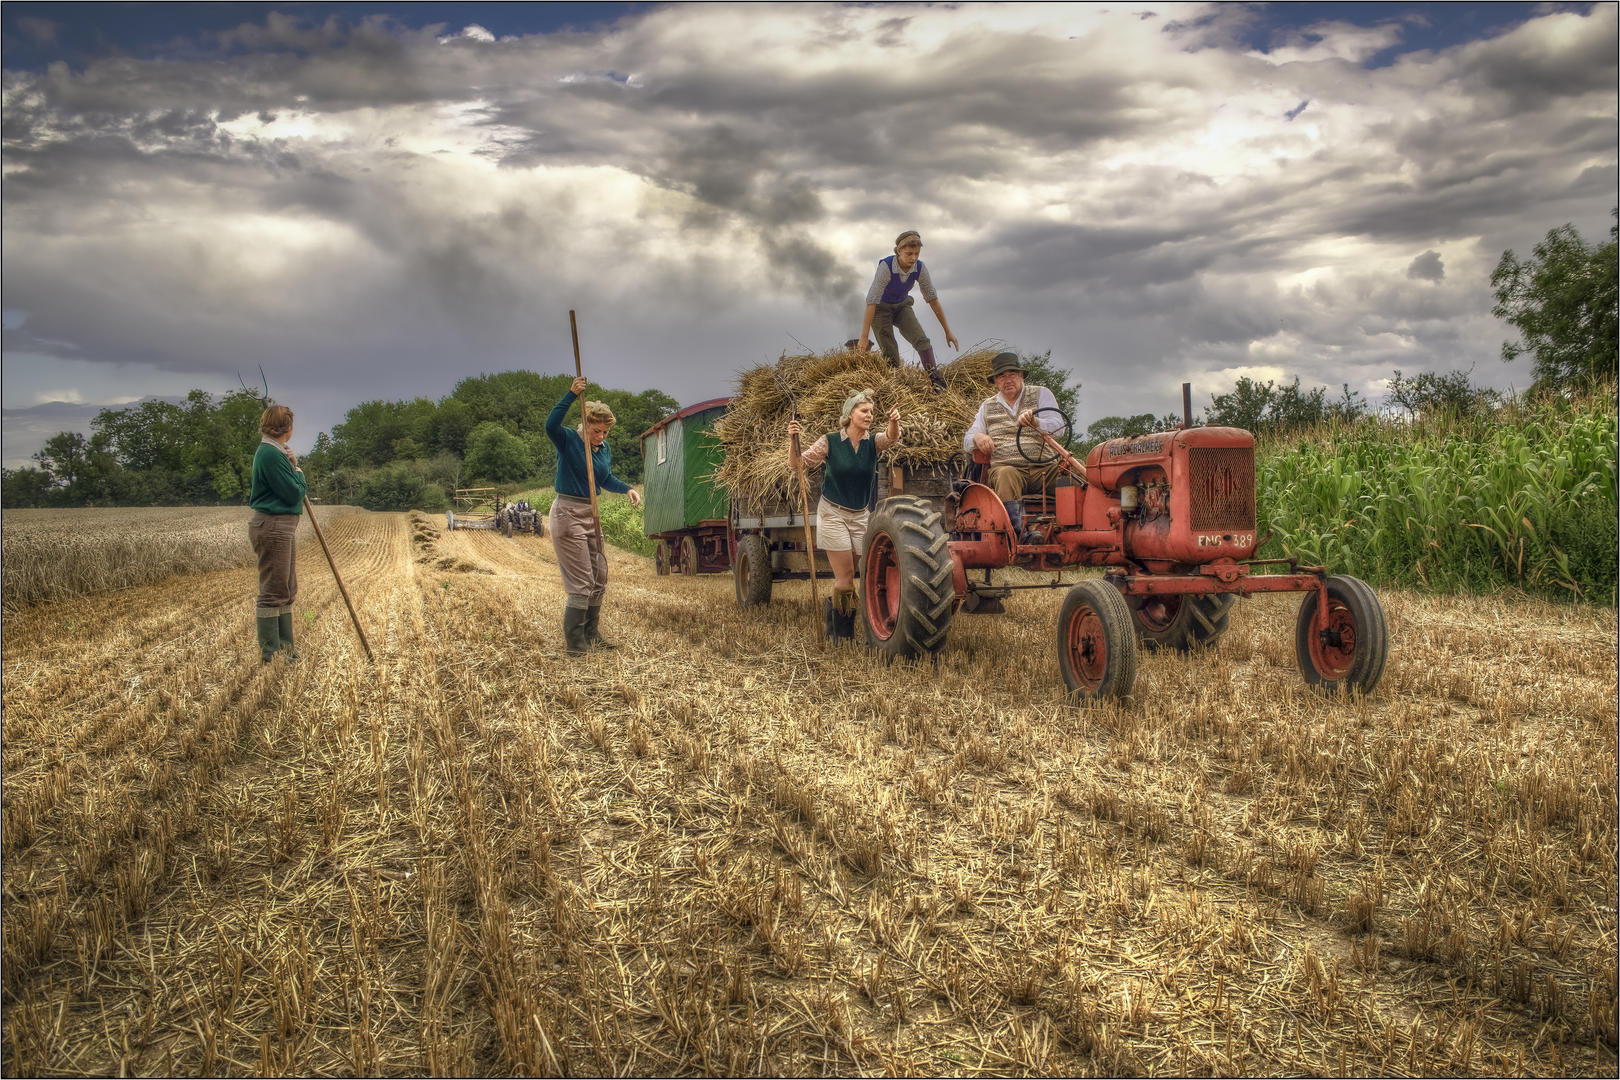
<point x="723" y="849"/>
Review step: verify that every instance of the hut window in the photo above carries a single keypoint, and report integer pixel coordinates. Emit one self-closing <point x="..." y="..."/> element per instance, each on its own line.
<point x="661" y="432"/>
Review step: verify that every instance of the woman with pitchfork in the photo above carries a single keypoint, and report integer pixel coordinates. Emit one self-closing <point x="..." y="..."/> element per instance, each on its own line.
<point x="847" y="486"/>
<point x="277" y="499"/>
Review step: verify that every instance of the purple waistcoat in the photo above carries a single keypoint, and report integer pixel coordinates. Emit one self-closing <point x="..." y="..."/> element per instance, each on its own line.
<point x="899" y="286"/>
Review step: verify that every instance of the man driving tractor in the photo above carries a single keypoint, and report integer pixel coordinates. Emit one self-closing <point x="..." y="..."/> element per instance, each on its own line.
<point x="994" y="433"/>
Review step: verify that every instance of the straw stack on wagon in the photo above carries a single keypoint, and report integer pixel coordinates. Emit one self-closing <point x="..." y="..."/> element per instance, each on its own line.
<point x="754" y="430"/>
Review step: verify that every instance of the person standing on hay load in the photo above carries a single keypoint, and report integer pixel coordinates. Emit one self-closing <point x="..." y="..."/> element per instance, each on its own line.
<point x="277" y="499"/>
<point x="889" y="302"/>
<point x="847" y="486"/>
<point x="994" y="433"/>
<point x="575" y="534"/>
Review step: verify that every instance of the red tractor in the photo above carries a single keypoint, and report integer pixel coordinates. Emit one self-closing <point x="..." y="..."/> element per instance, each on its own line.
<point x="1171" y="517"/>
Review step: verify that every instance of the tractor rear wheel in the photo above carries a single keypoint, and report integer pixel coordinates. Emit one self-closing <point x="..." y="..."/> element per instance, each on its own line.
<point x="661" y="558"/>
<point x="1096" y="644"/>
<point x="506" y="525"/>
<point x="752" y="572"/>
<point x="906" y="580"/>
<point x="1350" y="653"/>
<point x="1183" y="622"/>
<point x="450" y="521"/>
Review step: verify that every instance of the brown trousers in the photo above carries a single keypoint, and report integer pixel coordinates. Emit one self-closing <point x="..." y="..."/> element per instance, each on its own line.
<point x="275" y="541"/>
<point x="580" y="557"/>
<point x="887" y="318"/>
<point x="1012" y="482"/>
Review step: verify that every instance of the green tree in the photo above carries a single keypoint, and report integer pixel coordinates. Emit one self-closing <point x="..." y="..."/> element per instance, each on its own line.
<point x="398" y="486"/>
<point x="1120" y="427"/>
<point x="1562" y="300"/>
<point x="1428" y="393"/>
<point x="1042" y="370"/>
<point x="1267" y="407"/>
<point x="495" y="454"/>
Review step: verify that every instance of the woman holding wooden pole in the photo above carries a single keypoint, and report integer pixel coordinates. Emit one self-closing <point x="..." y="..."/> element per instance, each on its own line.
<point x="576" y="535"/>
<point x="277" y="499"/>
<point x="847" y="486"/>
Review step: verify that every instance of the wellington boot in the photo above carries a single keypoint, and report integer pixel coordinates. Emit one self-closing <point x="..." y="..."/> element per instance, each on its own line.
<point x="830" y="617"/>
<point x="844" y="613"/>
<point x="574" y="630"/>
<point x="592" y="637"/>
<point x="934" y="376"/>
<point x="284" y="628"/>
<point x="269" y="637"/>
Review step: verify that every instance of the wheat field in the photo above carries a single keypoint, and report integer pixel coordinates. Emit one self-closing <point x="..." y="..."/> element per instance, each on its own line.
<point x="724" y="849"/>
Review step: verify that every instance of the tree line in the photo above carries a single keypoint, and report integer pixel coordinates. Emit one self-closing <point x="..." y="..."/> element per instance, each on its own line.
<point x="490" y="430"/>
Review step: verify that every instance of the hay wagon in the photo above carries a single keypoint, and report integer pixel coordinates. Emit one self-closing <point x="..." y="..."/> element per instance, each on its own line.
<point x="684" y="510"/>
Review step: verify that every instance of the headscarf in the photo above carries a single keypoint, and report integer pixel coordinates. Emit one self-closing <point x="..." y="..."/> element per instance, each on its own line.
<point x="854" y="400"/>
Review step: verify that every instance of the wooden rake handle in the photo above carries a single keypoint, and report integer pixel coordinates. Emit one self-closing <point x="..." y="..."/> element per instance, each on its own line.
<point x="310" y="510"/>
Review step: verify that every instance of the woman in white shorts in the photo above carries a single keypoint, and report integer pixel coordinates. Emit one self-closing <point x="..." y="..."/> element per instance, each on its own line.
<point x="847" y="485"/>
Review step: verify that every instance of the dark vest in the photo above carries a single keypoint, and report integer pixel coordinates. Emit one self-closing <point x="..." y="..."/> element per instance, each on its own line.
<point x="850" y="475"/>
<point x="899" y="286"/>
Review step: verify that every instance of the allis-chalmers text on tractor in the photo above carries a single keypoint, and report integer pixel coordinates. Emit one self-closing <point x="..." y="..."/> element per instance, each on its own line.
<point x="1169" y="516"/>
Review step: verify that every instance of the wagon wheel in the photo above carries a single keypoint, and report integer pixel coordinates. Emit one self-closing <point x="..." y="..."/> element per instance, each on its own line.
<point x="906" y="580"/>
<point x="1350" y="653"/>
<point x="1042" y="454"/>
<point x="661" y="558"/>
<point x="1181" y="621"/>
<point x="689" y="557"/>
<point x="751" y="573"/>
<point x="1096" y="644"/>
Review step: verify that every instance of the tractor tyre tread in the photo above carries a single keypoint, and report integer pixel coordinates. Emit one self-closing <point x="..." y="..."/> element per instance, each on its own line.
<point x="754" y="565"/>
<point x="927" y="593"/>
<point x="1372" y="637"/>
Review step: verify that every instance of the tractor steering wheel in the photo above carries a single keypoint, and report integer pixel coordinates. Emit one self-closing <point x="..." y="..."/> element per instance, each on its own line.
<point x="1043" y="455"/>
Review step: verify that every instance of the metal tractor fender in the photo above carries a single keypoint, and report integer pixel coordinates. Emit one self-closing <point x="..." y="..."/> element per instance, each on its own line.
<point x="984" y="532"/>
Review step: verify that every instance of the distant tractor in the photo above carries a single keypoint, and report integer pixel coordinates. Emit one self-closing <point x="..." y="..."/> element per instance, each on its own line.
<point x="1171" y="518"/>
<point x="684" y="509"/>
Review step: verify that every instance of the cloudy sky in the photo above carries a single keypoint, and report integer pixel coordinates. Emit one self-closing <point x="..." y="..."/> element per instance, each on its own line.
<point x="374" y="201"/>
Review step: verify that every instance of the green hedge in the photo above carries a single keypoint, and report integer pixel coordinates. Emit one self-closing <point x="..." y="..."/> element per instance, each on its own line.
<point x="621" y="522"/>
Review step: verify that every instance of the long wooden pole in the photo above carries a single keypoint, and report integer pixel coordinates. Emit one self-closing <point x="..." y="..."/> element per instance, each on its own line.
<point x="809" y="544"/>
<point x="590" y="469"/>
<point x="310" y="510"/>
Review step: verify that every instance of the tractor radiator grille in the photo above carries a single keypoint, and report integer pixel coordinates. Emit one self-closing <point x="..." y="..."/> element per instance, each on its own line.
<point x="1222" y="494"/>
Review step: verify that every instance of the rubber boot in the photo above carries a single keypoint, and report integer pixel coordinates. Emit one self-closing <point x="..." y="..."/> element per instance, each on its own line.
<point x="269" y="637"/>
<point x="574" y="630"/>
<point x="830" y="629"/>
<point x="844" y="612"/>
<point x="934" y="376"/>
<point x="284" y="628"/>
<point x="593" y="615"/>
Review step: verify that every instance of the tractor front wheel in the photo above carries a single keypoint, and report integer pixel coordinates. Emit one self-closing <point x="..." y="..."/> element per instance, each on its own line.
<point x="1349" y="654"/>
<point x="752" y="572"/>
<point x="1096" y="644"/>
<point x="1182" y="622"/>
<point x="906" y="580"/>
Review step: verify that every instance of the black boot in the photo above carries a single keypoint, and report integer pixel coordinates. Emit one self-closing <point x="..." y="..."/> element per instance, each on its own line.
<point x="1015" y="514"/>
<point x="831" y="616"/>
<point x="592" y="638"/>
<point x="574" y="630"/>
<point x="934" y="376"/>
<point x="270" y="636"/>
<point x="284" y="628"/>
<point x="844" y="613"/>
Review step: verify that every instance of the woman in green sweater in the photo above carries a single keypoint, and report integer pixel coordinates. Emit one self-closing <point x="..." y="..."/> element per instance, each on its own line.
<point x="278" y="502"/>
<point x="847" y="486"/>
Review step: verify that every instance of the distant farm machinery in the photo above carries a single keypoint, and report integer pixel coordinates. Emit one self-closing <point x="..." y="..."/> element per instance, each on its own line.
<point x="483" y="508"/>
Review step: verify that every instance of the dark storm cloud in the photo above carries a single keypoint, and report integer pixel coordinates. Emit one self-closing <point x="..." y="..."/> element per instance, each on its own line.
<point x="1427" y="267"/>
